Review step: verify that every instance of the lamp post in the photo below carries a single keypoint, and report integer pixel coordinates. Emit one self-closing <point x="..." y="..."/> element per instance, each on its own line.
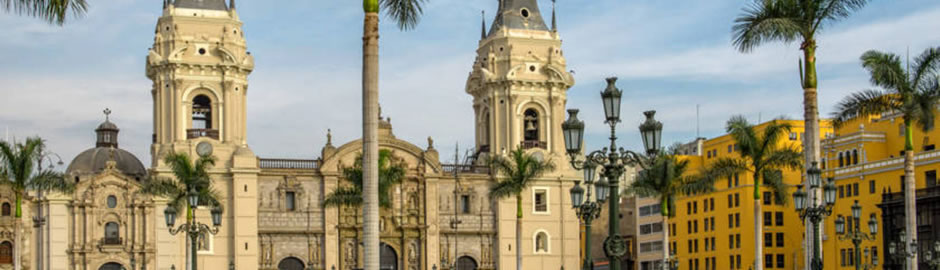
<point x="933" y="255"/>
<point x="39" y="221"/>
<point x="192" y="227"/>
<point x="815" y="211"/>
<point x="611" y="159"/>
<point x="586" y="209"/>
<point x="870" y="261"/>
<point x="856" y="234"/>
<point x="900" y="251"/>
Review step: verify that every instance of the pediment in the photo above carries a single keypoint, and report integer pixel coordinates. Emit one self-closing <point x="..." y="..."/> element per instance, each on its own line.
<point x="414" y="157"/>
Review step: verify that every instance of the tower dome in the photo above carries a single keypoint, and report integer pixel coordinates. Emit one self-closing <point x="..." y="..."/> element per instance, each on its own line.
<point x="95" y="160"/>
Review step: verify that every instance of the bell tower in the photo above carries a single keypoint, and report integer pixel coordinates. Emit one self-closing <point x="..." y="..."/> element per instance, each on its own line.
<point x="199" y="66"/>
<point x="519" y="82"/>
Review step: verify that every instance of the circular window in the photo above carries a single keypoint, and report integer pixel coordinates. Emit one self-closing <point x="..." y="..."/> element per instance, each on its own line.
<point x="202" y="51"/>
<point x="112" y="201"/>
<point x="532" y="68"/>
<point x="525" y="13"/>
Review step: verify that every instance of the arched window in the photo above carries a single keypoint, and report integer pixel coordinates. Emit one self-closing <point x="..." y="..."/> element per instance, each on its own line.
<point x="486" y="128"/>
<point x="6" y="253"/>
<point x="530" y="125"/>
<point x="541" y="242"/>
<point x="841" y="160"/>
<point x="112" y="234"/>
<point x="855" y="156"/>
<point x="202" y="112"/>
<point x="5" y="209"/>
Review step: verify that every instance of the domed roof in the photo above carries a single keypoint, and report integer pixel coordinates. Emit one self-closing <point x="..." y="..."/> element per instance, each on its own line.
<point x="107" y="125"/>
<point x="95" y="160"/>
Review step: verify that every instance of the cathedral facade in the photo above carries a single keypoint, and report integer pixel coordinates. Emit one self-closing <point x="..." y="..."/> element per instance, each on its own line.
<point x="441" y="215"/>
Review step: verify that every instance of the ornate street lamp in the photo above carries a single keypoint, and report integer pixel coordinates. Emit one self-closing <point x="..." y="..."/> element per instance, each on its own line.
<point x="192" y="227"/>
<point x="587" y="210"/>
<point x="613" y="160"/>
<point x="815" y="211"/>
<point x="856" y="235"/>
<point x="900" y="251"/>
<point x="933" y="255"/>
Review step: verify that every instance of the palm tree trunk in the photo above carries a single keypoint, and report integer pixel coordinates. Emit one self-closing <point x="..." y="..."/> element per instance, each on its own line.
<point x="370" y="146"/>
<point x="519" y="232"/>
<point x="910" y="188"/>
<point x="18" y="243"/>
<point x="758" y="225"/>
<point x="811" y="139"/>
<point x="664" y="205"/>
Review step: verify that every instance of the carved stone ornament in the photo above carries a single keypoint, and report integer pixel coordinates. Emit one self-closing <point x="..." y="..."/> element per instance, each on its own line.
<point x="615" y="247"/>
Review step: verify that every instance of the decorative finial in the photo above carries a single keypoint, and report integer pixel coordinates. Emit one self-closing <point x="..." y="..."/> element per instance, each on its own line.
<point x="107" y="114"/>
<point x="430" y="143"/>
<point x="380" y="112"/>
<point x="164" y="4"/>
<point x="554" y="25"/>
<point x="483" y="21"/>
<point x="329" y="137"/>
<point x="231" y="4"/>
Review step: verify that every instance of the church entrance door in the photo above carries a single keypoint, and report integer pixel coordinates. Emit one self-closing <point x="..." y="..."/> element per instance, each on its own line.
<point x="290" y="263"/>
<point x="111" y="266"/>
<point x="388" y="258"/>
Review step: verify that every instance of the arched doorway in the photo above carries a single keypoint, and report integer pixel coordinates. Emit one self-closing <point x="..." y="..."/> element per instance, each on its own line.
<point x="6" y="252"/>
<point x="290" y="263"/>
<point x="466" y="263"/>
<point x="388" y="258"/>
<point x="111" y="266"/>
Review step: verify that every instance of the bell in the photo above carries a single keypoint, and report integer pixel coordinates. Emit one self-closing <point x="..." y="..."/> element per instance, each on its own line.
<point x="530" y="126"/>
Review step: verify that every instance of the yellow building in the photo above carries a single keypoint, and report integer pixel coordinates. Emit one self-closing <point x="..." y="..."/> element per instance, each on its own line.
<point x="865" y="158"/>
<point x="715" y="231"/>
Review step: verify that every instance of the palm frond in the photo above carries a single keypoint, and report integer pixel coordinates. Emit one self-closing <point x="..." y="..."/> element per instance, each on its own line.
<point x="743" y="134"/>
<point x="343" y="196"/>
<point x="863" y="103"/>
<point x="766" y="20"/>
<point x="836" y="9"/>
<point x="51" y="11"/>
<point x="785" y="157"/>
<point x="773" y="132"/>
<point x="774" y="180"/>
<point x="724" y="167"/>
<point x="886" y="71"/>
<point x="163" y="187"/>
<point x="51" y="180"/>
<point x="926" y="66"/>
<point x="406" y="13"/>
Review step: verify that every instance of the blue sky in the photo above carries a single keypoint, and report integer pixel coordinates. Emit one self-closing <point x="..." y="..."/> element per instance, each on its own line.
<point x="670" y="56"/>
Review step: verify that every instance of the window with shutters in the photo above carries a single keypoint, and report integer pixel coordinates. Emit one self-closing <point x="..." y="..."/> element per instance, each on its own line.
<point x="540" y="200"/>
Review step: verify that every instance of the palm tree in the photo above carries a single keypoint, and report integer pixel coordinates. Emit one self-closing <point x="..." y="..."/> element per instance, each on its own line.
<point x="390" y="174"/>
<point x="53" y="12"/>
<point x="187" y="175"/>
<point x="666" y="178"/>
<point x="763" y="154"/>
<point x="18" y="171"/>
<point x="915" y="93"/>
<point x="406" y="14"/>
<point x="789" y="21"/>
<point x="520" y="170"/>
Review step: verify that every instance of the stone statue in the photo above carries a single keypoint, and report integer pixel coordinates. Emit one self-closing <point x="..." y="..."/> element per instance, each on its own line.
<point x="430" y="143"/>
<point x="350" y="253"/>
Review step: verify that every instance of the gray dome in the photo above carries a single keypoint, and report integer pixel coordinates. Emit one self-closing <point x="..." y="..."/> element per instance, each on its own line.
<point x="107" y="125"/>
<point x="94" y="160"/>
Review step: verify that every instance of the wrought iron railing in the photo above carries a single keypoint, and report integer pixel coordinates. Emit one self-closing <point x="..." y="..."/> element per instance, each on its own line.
<point x="450" y="168"/>
<point x="199" y="133"/>
<point x="534" y="144"/>
<point x="282" y="163"/>
<point x="111" y="241"/>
